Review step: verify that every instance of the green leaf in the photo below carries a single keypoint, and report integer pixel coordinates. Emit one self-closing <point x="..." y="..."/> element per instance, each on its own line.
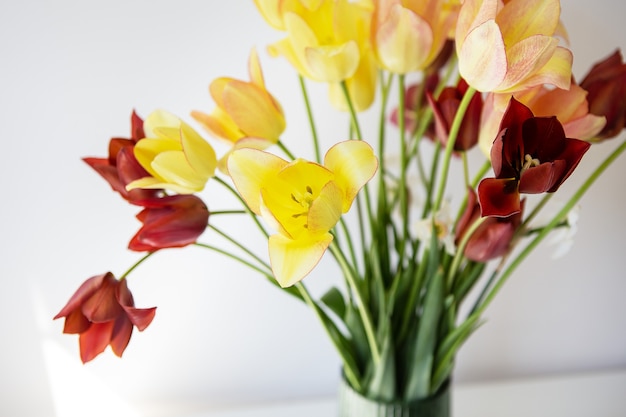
<point x="446" y="353"/>
<point x="334" y="300"/>
<point x="382" y="385"/>
<point x="423" y="355"/>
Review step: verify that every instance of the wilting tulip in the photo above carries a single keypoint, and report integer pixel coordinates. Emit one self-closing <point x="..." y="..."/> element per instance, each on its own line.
<point x="301" y="200"/>
<point x="511" y="47"/>
<point x="102" y="312"/>
<point x="175" y="156"/>
<point x="121" y="167"/>
<point x="169" y="222"/>
<point x="408" y="35"/>
<point x="606" y="84"/>
<point x="246" y="113"/>
<point x="530" y="155"/>
<point x="492" y="238"/>
<point x="445" y="109"/>
<point x="328" y="41"/>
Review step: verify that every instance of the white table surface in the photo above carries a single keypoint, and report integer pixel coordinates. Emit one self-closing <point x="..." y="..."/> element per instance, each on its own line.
<point x="600" y="394"/>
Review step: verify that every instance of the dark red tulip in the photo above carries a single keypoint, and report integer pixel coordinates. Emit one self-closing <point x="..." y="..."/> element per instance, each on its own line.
<point x="531" y="155"/>
<point x="492" y="238"/>
<point x="169" y="222"/>
<point x="102" y="313"/>
<point x="445" y="109"/>
<point x="121" y="166"/>
<point x="606" y="87"/>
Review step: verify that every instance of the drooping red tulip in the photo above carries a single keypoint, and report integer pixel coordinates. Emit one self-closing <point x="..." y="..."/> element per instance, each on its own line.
<point x="102" y="312"/>
<point x="531" y="155"/>
<point x="606" y="87"/>
<point x="169" y="222"/>
<point x="492" y="238"/>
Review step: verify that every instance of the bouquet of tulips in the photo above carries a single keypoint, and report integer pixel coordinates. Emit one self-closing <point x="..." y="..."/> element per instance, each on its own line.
<point x="487" y="78"/>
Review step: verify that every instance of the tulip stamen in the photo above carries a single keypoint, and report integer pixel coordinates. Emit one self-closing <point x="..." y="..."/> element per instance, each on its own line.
<point x="530" y="162"/>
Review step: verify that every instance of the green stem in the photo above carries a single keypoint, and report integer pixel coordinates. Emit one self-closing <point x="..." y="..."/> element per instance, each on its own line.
<point x="461" y="248"/>
<point x="454" y="131"/>
<point x="136" y="264"/>
<point x="243" y="203"/>
<point x="265" y="270"/>
<point x="363" y="312"/>
<point x="403" y="189"/>
<point x="309" y="112"/>
<point x="286" y="150"/>
<point x="218" y="212"/>
<point x="240" y="246"/>
<point x="547" y="229"/>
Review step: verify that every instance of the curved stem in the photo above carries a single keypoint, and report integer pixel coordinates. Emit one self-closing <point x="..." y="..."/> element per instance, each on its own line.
<point x="136" y="264"/>
<point x="454" y="131"/>
<point x="309" y="112"/>
<point x="243" y="203"/>
<point x="363" y="312"/>
<point x="266" y="272"/>
<point x="240" y="246"/>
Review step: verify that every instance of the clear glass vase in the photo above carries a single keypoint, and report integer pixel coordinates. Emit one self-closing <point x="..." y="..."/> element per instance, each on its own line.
<point x="353" y="404"/>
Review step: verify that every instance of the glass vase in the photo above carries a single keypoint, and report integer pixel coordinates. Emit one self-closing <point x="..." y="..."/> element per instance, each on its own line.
<point x="353" y="404"/>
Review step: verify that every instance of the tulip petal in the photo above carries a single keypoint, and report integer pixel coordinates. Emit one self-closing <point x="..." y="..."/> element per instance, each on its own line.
<point x="250" y="169"/>
<point x="254" y="70"/>
<point x="498" y="197"/>
<point x="332" y="63"/>
<point x="354" y="163"/>
<point x="557" y="71"/>
<point x="526" y="58"/>
<point x="525" y="18"/>
<point x="173" y="168"/>
<point x="404" y="41"/>
<point x="93" y="341"/>
<point x="325" y="211"/>
<point x="482" y="57"/>
<point x="198" y="154"/>
<point x="292" y="259"/>
<point x="253" y="110"/>
<point x="219" y="124"/>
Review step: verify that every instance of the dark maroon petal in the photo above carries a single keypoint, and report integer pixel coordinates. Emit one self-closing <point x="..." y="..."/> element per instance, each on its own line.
<point x="82" y="294"/>
<point x="574" y="151"/>
<point x="115" y="145"/>
<point x="491" y="240"/>
<point x="140" y="317"/>
<point x="498" y="197"/>
<point x="544" y="138"/>
<point x="93" y="341"/>
<point x="540" y="179"/>
<point x="108" y="172"/>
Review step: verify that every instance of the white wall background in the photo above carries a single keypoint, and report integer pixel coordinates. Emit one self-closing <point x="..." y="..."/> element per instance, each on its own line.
<point x="70" y="73"/>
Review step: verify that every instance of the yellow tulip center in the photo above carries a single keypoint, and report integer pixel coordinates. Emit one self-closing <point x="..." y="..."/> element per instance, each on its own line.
<point x="304" y="199"/>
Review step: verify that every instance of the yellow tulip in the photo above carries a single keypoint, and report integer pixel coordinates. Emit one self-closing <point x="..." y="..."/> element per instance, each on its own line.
<point x="246" y="113"/>
<point x="509" y="47"/>
<point x="328" y="41"/>
<point x="301" y="200"/>
<point x="409" y="34"/>
<point x="175" y="155"/>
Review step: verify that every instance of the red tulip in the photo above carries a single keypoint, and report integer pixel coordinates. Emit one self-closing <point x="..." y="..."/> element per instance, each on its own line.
<point x="492" y="238"/>
<point x="102" y="313"/>
<point x="121" y="166"/>
<point x="444" y="111"/>
<point x="606" y="86"/>
<point x="531" y="155"/>
<point x="169" y="222"/>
